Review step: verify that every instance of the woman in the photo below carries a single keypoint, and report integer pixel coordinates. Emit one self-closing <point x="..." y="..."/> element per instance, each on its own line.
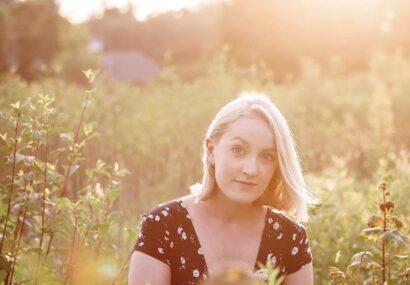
<point x="232" y="219"/>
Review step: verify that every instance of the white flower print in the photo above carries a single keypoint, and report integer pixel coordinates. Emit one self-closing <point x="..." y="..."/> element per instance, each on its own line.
<point x="166" y="238"/>
<point x="165" y="213"/>
<point x="180" y="229"/>
<point x="270" y="221"/>
<point x="144" y="218"/>
<point x="182" y="260"/>
<point x="200" y="251"/>
<point x="171" y="245"/>
<point x="294" y="250"/>
<point x="183" y="235"/>
<point x="294" y="237"/>
<point x="161" y="250"/>
<point x="166" y="208"/>
<point x="167" y="232"/>
<point x="141" y="243"/>
<point x="301" y="241"/>
<point x="204" y="276"/>
<point x="280" y="236"/>
<point x="188" y="216"/>
<point x="150" y="216"/>
<point x="308" y="250"/>
<point x="195" y="273"/>
<point x="306" y="241"/>
<point x="157" y="218"/>
<point x="273" y="259"/>
<point x="276" y="225"/>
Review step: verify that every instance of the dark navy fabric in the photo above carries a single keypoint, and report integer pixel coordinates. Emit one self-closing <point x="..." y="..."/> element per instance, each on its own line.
<point x="168" y="235"/>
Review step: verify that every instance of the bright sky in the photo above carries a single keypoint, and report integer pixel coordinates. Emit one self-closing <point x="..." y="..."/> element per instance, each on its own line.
<point x="79" y="10"/>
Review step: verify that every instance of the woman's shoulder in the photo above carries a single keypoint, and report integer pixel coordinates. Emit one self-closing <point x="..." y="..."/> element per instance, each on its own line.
<point x="282" y="220"/>
<point x="165" y="209"/>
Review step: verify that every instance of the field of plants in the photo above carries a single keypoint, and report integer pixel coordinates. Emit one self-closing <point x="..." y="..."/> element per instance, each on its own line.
<point x="80" y="164"/>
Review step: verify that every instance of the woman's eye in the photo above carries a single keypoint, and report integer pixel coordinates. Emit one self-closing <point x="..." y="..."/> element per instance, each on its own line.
<point x="269" y="157"/>
<point x="237" y="150"/>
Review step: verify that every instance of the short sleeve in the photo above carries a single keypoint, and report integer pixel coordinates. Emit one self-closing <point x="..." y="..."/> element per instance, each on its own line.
<point x="152" y="237"/>
<point x="297" y="250"/>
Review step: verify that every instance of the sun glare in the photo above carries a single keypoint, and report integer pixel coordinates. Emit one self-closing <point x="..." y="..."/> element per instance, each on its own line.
<point x="78" y="11"/>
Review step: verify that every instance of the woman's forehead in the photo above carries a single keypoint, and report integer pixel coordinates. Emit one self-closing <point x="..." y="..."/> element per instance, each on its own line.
<point x="251" y="130"/>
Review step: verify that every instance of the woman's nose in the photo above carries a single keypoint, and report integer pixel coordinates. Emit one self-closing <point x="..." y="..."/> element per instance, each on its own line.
<point x="250" y="166"/>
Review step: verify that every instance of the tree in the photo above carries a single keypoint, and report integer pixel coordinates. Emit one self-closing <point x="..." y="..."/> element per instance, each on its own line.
<point x="34" y="41"/>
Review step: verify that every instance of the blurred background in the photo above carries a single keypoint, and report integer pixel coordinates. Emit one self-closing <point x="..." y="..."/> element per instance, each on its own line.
<point x="339" y="70"/>
<point x="44" y="38"/>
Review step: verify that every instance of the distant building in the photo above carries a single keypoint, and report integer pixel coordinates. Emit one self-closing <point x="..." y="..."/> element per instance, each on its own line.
<point x="129" y="66"/>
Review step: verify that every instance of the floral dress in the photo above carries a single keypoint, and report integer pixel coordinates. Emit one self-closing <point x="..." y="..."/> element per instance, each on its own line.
<point x="167" y="234"/>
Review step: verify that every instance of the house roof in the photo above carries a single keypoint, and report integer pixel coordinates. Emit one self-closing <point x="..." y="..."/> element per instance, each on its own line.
<point x="129" y="66"/>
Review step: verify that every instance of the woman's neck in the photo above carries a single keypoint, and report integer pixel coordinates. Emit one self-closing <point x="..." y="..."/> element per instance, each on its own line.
<point x="223" y="209"/>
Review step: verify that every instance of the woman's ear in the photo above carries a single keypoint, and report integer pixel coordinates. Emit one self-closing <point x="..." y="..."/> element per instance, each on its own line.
<point x="210" y="150"/>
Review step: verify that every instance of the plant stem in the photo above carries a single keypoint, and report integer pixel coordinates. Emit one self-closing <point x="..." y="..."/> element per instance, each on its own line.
<point x="10" y="276"/>
<point x="77" y="134"/>
<point x="68" y="170"/>
<point x="383" y="241"/>
<point x="20" y="224"/>
<point x="43" y="199"/>
<point x="70" y="260"/>
<point x="12" y="183"/>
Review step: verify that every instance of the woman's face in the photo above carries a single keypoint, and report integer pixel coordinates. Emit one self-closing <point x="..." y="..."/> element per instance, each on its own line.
<point x="244" y="159"/>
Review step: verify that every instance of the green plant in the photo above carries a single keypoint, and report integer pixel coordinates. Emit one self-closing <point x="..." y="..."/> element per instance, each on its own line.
<point x="382" y="262"/>
<point x="66" y="231"/>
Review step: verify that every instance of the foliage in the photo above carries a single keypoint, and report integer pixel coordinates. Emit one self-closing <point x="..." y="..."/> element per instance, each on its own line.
<point x="34" y="37"/>
<point x="348" y="129"/>
<point x="381" y="262"/>
<point x="36" y="42"/>
<point x="43" y="220"/>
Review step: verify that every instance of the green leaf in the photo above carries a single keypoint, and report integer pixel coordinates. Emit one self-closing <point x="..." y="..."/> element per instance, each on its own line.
<point x="132" y="234"/>
<point x="89" y="127"/>
<point x="5" y="263"/>
<point x="122" y="172"/>
<point x="90" y="74"/>
<point x="113" y="194"/>
<point x="100" y="164"/>
<point x="396" y="237"/>
<point x="64" y="203"/>
<point x="89" y="173"/>
<point x="16" y="105"/>
<point x="56" y="151"/>
<point x="103" y="228"/>
<point x="372" y="231"/>
<point x="114" y="216"/>
<point x="361" y="258"/>
<point x="25" y="158"/>
<point x="73" y="169"/>
<point x="69" y="137"/>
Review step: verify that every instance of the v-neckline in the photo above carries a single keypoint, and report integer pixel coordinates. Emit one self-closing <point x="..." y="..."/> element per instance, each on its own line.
<point x="258" y="257"/>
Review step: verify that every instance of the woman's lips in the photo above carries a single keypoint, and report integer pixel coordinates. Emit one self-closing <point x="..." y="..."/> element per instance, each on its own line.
<point x="246" y="183"/>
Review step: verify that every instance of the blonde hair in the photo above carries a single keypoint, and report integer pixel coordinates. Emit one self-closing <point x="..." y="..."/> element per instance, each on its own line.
<point x="287" y="190"/>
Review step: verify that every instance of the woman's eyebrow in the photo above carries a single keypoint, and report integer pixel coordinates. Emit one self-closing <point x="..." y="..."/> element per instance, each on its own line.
<point x="245" y="142"/>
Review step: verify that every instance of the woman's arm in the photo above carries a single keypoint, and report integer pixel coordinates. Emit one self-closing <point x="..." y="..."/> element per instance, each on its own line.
<point x="145" y="269"/>
<point x="302" y="276"/>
